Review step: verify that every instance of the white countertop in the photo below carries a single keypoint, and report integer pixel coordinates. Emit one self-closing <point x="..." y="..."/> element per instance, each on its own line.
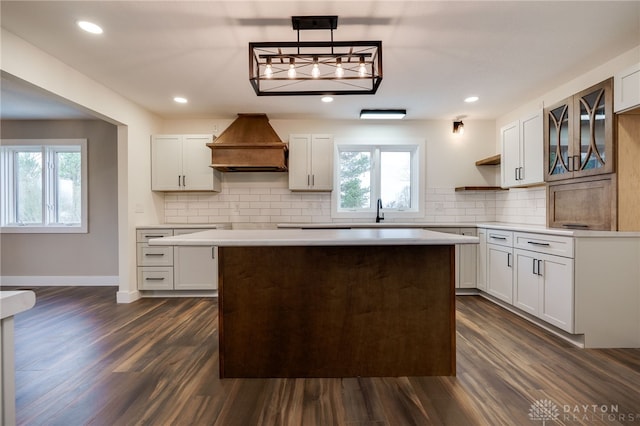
<point x="14" y="302"/>
<point x="345" y="225"/>
<point x="314" y="237"/>
<point x="186" y="226"/>
<point x="515" y="227"/>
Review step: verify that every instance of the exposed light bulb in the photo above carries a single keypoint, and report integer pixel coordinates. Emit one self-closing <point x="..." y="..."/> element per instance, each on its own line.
<point x="315" y="71"/>
<point x="292" y="69"/>
<point x="268" y="70"/>
<point x="362" y="68"/>
<point x="339" y="69"/>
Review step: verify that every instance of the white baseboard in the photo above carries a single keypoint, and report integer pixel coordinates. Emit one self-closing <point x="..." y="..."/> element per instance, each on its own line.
<point x="127" y="296"/>
<point x="72" y="280"/>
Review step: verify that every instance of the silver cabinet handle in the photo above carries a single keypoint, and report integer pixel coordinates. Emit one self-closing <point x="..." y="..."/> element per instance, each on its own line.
<point x="154" y="279"/>
<point x="535" y="243"/>
<point x="497" y="238"/>
<point x="509" y="260"/>
<point x="539" y="267"/>
<point x="184" y="180"/>
<point x="154" y="236"/>
<point x="534" y="266"/>
<point x="154" y="254"/>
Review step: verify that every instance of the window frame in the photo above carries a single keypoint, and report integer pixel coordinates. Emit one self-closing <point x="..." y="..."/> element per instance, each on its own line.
<point x="415" y="146"/>
<point x="49" y="149"/>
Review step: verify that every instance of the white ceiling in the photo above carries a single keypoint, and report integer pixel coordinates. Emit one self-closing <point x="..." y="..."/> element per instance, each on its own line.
<point x="435" y="53"/>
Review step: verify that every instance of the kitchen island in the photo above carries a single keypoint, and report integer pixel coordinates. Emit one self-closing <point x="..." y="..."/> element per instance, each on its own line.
<point x="334" y="303"/>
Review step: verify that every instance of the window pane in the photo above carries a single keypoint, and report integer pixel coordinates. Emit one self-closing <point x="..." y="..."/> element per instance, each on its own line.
<point x="68" y="187"/>
<point x="28" y="167"/>
<point x="395" y="179"/>
<point x="355" y="179"/>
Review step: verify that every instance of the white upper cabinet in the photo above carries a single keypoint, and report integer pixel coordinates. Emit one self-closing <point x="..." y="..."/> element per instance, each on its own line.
<point x="523" y="152"/>
<point x="182" y="163"/>
<point x="510" y="163"/>
<point x="626" y="85"/>
<point x="310" y="162"/>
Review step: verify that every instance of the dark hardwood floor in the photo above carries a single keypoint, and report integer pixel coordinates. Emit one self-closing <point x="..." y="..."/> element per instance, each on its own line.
<point x="81" y="358"/>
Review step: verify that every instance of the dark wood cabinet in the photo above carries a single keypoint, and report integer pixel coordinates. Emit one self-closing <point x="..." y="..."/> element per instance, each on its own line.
<point x="580" y="160"/>
<point x="579" y="134"/>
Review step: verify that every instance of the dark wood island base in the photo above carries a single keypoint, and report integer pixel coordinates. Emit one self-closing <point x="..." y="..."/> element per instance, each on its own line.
<point x="337" y="311"/>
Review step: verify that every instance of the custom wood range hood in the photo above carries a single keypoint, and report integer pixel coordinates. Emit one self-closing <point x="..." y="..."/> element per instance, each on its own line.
<point x="249" y="144"/>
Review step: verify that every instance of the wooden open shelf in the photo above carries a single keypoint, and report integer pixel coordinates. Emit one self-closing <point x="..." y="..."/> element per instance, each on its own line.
<point x="489" y="161"/>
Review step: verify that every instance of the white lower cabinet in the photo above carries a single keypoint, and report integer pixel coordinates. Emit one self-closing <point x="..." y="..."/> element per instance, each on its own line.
<point x="466" y="255"/>
<point x="175" y="267"/>
<point x="544" y="287"/>
<point x="195" y="268"/>
<point x="481" y="260"/>
<point x="500" y="272"/>
<point x="500" y="264"/>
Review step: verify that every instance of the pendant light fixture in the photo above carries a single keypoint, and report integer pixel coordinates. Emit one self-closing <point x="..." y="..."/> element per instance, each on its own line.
<point x="315" y="67"/>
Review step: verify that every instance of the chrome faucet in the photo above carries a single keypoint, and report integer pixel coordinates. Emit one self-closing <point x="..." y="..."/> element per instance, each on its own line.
<point x="379" y="216"/>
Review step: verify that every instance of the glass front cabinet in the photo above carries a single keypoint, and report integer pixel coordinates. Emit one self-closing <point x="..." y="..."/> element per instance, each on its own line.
<point x="578" y="134"/>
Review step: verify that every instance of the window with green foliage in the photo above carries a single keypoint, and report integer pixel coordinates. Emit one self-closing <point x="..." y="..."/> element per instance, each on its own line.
<point x="44" y="185"/>
<point x="366" y="173"/>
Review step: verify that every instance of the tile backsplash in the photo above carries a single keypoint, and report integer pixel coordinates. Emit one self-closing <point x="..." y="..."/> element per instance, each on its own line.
<point x="270" y="205"/>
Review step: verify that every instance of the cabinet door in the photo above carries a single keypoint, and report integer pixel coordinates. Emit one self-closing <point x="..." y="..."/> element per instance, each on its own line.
<point x="321" y="160"/>
<point x="457" y="250"/>
<point x="500" y="272"/>
<point x="510" y="167"/>
<point x="166" y="163"/>
<point x="627" y="89"/>
<point x="558" y="137"/>
<point x="196" y="162"/>
<point x="558" y="291"/>
<point x="481" y="276"/>
<point x="531" y="149"/>
<point x="299" y="167"/>
<point x="593" y="131"/>
<point x="467" y="261"/>
<point x="195" y="268"/>
<point x="527" y="284"/>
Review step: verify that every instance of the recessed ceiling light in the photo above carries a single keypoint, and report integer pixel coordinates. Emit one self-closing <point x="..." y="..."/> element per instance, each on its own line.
<point x="471" y="99"/>
<point x="180" y="100"/>
<point x="90" y="27"/>
<point x="326" y="99"/>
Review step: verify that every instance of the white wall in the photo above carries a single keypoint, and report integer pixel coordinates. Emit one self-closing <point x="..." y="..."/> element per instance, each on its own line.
<point x="136" y="203"/>
<point x="264" y="197"/>
<point x="513" y="205"/>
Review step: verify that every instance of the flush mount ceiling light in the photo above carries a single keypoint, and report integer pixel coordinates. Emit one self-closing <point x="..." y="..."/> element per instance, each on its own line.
<point x="383" y="114"/>
<point x="458" y="127"/>
<point x="471" y="99"/>
<point x="90" y="27"/>
<point x="180" y="100"/>
<point x="315" y="67"/>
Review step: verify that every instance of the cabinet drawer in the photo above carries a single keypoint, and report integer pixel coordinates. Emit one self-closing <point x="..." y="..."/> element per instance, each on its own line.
<point x="185" y="231"/>
<point x="550" y="244"/>
<point x="154" y="256"/>
<point x="144" y="235"/>
<point x="502" y="238"/>
<point x="155" y="278"/>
